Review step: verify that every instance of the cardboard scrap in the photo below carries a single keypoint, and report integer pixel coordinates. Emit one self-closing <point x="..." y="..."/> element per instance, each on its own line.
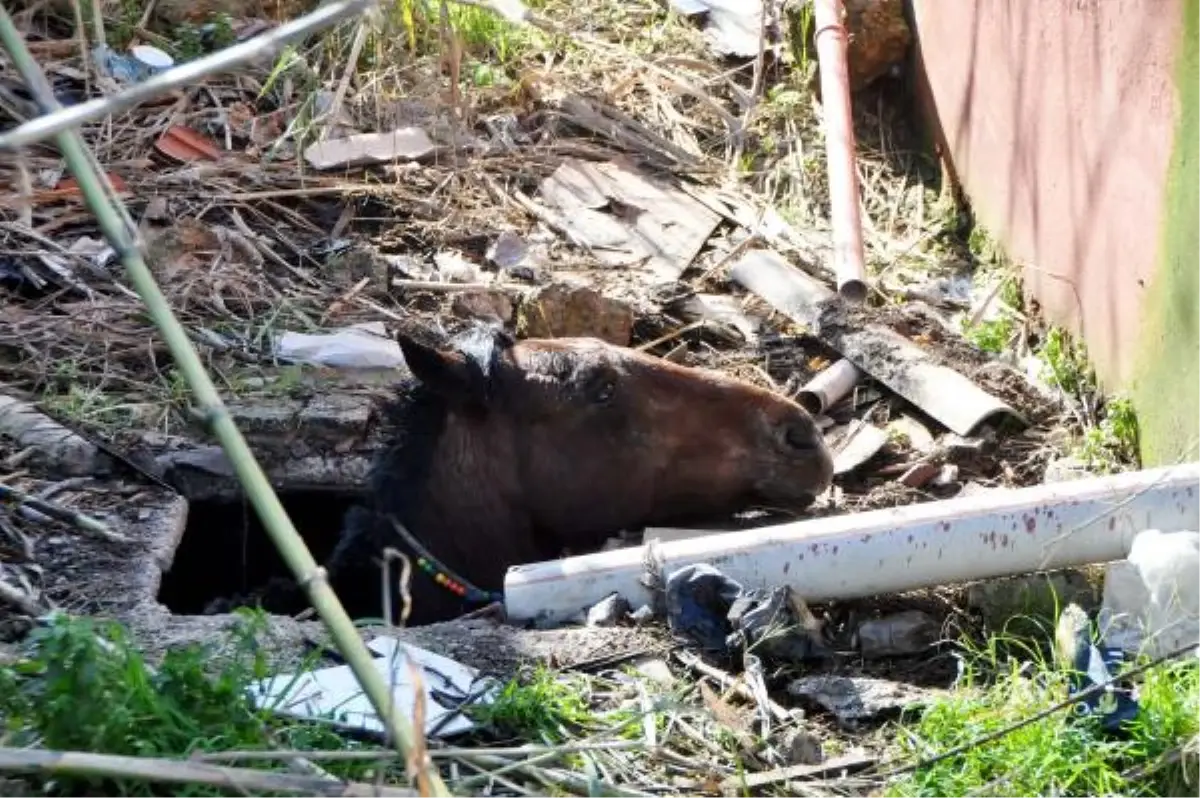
<point x="626" y="218"/>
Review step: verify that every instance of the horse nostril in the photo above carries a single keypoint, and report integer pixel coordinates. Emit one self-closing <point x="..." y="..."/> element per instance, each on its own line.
<point x="801" y="436"/>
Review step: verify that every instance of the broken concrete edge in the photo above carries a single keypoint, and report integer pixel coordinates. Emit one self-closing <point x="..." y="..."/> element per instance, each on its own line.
<point x="129" y="589"/>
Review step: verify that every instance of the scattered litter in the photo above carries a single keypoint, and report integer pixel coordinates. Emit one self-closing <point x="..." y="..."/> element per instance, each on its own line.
<point x="1090" y="665"/>
<point x="452" y="267"/>
<point x="334" y="693"/>
<point x="897" y="635"/>
<point x="719" y="309"/>
<point x="507" y="251"/>
<point x="405" y="144"/>
<point x="142" y="62"/>
<point x="859" y="698"/>
<point x="360" y="346"/>
<point x="881" y="352"/>
<point x="913" y="432"/>
<point x="627" y="219"/>
<point x="656" y="669"/>
<point x="1151" y="600"/>
<point x="153" y="59"/>
<point x="733" y="26"/>
<point x="718" y="614"/>
<point x="947" y="475"/>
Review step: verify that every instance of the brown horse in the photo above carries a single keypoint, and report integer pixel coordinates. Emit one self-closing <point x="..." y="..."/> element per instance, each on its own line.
<point x="504" y="452"/>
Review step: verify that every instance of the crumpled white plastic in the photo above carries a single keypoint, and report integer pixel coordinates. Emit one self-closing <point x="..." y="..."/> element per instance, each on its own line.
<point x="361" y="346"/>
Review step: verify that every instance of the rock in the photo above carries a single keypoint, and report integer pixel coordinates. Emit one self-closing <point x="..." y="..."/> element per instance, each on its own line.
<point x="1065" y="469"/>
<point x="483" y="304"/>
<point x="1028" y="604"/>
<point x="802" y="747"/>
<point x="609" y="611"/>
<point x="879" y="39"/>
<point x="560" y="310"/>
<point x="919" y="475"/>
<point x="655" y="669"/>
<point x="900" y="634"/>
<point x="855" y="698"/>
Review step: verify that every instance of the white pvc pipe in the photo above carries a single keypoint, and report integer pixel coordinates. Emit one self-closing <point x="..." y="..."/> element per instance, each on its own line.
<point x="886" y="551"/>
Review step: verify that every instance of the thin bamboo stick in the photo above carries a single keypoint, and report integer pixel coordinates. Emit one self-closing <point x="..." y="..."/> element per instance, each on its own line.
<point x="112" y="219"/>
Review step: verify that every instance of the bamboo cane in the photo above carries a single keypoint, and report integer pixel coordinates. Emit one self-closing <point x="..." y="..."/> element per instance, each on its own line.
<point x="96" y="192"/>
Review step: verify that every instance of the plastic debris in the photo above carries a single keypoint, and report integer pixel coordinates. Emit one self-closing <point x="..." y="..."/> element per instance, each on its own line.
<point x="360" y="346"/>
<point x="1151" y="600"/>
<point x="719" y="615"/>
<point x="335" y="693"/>
<point x="1091" y="666"/>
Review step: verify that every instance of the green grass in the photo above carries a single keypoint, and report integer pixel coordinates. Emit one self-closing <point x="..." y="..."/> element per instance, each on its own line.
<point x="1062" y="754"/>
<point x="553" y="708"/>
<point x="1111" y="444"/>
<point x="73" y="692"/>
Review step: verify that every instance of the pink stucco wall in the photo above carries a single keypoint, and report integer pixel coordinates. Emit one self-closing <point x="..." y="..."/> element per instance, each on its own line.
<point x="1058" y="117"/>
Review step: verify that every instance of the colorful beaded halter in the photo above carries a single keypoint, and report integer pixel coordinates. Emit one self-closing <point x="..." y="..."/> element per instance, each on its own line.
<point x="443" y="575"/>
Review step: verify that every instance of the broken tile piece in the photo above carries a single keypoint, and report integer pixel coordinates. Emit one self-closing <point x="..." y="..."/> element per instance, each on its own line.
<point x="405" y="144"/>
<point x="854" y="444"/>
<point x="628" y="219"/>
<point x="919" y="475"/>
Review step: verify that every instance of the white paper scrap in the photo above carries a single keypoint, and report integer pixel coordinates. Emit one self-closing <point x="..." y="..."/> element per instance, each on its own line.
<point x="334" y="693"/>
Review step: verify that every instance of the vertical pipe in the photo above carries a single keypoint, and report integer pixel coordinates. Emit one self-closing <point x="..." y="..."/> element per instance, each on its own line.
<point x="839" y="151"/>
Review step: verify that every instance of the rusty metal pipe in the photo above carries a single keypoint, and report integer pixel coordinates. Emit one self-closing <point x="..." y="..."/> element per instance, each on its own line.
<point x="827" y="388"/>
<point x="1003" y="533"/>
<point x="849" y="264"/>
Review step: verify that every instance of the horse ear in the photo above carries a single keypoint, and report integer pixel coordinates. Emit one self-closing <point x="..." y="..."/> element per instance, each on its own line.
<point x="447" y="372"/>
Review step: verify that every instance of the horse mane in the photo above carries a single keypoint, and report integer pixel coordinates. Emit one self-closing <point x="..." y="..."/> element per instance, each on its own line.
<point x="412" y="419"/>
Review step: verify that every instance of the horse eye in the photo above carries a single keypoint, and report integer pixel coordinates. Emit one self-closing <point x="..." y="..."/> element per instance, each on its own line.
<point x="603" y="392"/>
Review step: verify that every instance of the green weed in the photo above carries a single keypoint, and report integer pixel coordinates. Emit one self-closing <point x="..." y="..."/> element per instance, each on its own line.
<point x="1067" y="363"/>
<point x="990" y="336"/>
<point x="83" y="686"/>
<point x="1112" y="443"/>
<point x="544" y="706"/>
<point x="1062" y="754"/>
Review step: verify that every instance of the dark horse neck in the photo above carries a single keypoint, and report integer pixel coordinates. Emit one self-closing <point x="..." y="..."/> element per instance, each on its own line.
<point x="426" y="481"/>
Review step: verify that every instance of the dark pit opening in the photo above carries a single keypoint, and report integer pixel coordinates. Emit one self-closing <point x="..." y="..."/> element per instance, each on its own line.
<point x="226" y="560"/>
